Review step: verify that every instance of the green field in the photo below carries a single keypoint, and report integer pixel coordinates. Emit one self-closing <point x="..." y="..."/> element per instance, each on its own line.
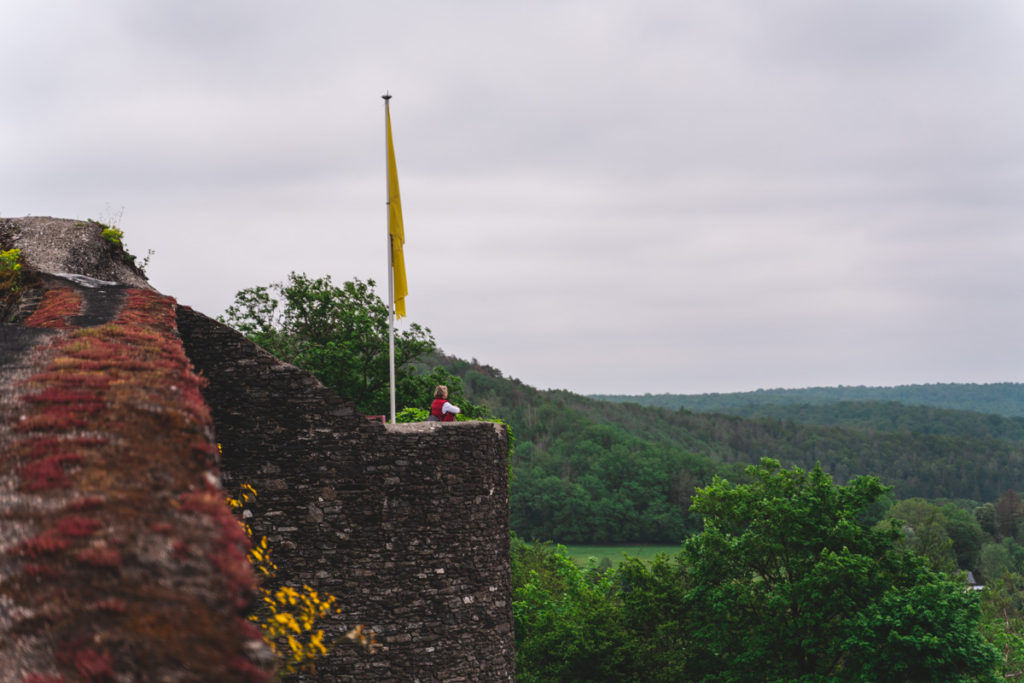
<point x="581" y="554"/>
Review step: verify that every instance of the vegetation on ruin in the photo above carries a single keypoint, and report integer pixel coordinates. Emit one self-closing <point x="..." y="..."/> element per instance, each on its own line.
<point x="121" y="506"/>
<point x="10" y="267"/>
<point x="11" y="276"/>
<point x="290" y="619"/>
<point x="115" y="236"/>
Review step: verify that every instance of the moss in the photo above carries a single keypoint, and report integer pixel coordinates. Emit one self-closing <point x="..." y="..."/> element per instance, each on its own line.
<point x="90" y="417"/>
<point x="48" y="473"/>
<point x="57" y="306"/>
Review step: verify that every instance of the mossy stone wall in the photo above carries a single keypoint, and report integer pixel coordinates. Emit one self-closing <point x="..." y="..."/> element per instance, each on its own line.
<point x="407" y="525"/>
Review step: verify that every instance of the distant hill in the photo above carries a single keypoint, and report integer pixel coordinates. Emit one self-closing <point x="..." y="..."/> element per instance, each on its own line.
<point x="890" y="416"/>
<point x="1004" y="398"/>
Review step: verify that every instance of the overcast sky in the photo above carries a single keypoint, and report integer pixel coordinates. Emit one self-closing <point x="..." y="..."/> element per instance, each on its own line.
<point x="608" y="197"/>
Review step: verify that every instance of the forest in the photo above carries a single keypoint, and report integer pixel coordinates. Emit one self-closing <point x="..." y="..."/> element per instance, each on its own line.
<point x="883" y="504"/>
<point x="1001" y="398"/>
<point x="590" y="471"/>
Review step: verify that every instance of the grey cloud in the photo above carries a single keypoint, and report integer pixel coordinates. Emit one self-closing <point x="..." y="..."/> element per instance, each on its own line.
<point x="653" y="196"/>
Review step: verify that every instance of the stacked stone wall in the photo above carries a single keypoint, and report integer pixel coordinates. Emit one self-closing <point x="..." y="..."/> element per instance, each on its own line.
<point x="407" y="525"/>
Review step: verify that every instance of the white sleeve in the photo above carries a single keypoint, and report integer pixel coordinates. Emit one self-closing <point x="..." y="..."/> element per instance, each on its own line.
<point x="449" y="408"/>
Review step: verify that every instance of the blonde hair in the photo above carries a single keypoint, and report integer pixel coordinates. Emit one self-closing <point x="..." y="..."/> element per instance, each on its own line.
<point x="441" y="391"/>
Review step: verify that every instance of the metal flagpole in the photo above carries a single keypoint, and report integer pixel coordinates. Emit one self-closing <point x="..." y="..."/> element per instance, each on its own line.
<point x="391" y="265"/>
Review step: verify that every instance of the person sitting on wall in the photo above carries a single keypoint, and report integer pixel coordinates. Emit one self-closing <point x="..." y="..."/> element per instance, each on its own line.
<point x="441" y="410"/>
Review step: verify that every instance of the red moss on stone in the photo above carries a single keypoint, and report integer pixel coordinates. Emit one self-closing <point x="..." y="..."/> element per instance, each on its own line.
<point x="83" y="380"/>
<point x="109" y="605"/>
<point x="51" y="421"/>
<point x="77" y="526"/>
<point x="42" y="570"/>
<point x="84" y="503"/>
<point x="44" y="544"/>
<point x="57" y="306"/>
<point x="82" y="400"/>
<point x="119" y="410"/>
<point x="90" y="664"/>
<point x="47" y="473"/>
<point x="100" y="556"/>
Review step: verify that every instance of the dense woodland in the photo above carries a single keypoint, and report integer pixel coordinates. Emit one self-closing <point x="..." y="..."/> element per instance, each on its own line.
<point x="1003" y="398"/>
<point x="792" y="578"/>
<point x="826" y="534"/>
<point x="590" y="471"/>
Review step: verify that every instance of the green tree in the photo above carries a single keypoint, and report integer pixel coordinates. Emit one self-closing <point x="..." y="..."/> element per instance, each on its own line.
<point x="569" y="627"/>
<point x="924" y="531"/>
<point x="995" y="562"/>
<point x="986" y="516"/>
<point x="1009" y="511"/>
<point x="340" y="334"/>
<point x="1002" y="605"/>
<point x="789" y="585"/>
<point x="966" y="534"/>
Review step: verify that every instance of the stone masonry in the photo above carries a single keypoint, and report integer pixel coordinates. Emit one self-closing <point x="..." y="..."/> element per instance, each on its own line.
<point x="119" y="557"/>
<point x="407" y="524"/>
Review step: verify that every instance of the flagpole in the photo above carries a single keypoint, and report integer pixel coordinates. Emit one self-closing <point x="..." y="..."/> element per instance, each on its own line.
<point x="391" y="264"/>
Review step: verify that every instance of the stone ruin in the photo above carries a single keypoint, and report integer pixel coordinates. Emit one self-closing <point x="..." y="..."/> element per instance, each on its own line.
<point x="119" y="558"/>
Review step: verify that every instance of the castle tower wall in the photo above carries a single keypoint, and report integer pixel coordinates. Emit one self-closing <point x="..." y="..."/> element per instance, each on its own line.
<point x="407" y="524"/>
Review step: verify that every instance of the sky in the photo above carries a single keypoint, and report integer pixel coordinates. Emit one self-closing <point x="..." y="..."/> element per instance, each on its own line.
<point x="614" y="197"/>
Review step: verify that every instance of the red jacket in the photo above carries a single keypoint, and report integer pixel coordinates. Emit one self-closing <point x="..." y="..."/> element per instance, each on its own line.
<point x="436" y="410"/>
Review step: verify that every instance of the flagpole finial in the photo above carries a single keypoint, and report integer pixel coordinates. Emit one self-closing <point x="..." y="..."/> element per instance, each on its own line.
<point x="386" y="95"/>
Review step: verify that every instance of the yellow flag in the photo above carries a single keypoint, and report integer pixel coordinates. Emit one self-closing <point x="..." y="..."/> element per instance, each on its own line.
<point x="395" y="228"/>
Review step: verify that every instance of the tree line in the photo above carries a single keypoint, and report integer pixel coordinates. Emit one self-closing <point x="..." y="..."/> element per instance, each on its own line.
<point x="1000" y="398"/>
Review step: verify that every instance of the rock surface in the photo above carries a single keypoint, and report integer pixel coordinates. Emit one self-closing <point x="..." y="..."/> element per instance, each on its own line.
<point x="60" y="245"/>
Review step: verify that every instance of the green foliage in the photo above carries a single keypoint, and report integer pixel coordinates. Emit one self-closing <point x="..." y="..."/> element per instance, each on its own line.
<point x="1002" y="623"/>
<point x="613" y="555"/>
<point x="412" y="414"/>
<point x="1003" y="398"/>
<point x="1009" y="513"/>
<point x="113" y="235"/>
<point x="340" y="334"/>
<point x="923" y="526"/>
<point x="785" y="582"/>
<point x="569" y="626"/>
<point x="536" y="563"/>
<point x="289" y="619"/>
<point x="11" y="280"/>
<point x="891" y="416"/>
<point x="566" y="488"/>
<point x="562" y="489"/>
<point x="10" y="271"/>
<point x="10" y="261"/>
<point x="966" y="535"/>
<point x="599" y="485"/>
<point x="791" y="586"/>
<point x="579" y="478"/>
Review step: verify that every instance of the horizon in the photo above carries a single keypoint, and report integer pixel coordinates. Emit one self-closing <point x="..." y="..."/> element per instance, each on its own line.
<point x="833" y="386"/>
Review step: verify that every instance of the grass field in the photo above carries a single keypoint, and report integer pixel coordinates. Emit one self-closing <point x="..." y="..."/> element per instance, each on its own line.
<point x="581" y="554"/>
